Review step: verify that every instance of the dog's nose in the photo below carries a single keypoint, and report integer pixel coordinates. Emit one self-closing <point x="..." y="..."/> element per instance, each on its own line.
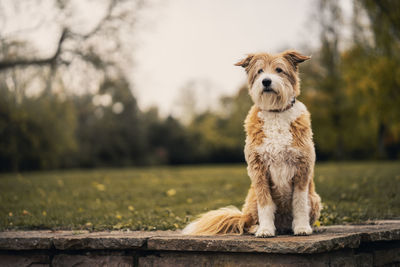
<point x="266" y="82"/>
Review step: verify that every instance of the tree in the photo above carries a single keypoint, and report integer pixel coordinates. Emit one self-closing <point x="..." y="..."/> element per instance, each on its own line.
<point x="110" y="132"/>
<point x="330" y="22"/>
<point x="73" y="42"/>
<point x="352" y="89"/>
<point x="371" y="70"/>
<point x="37" y="134"/>
<point x="40" y="106"/>
<point x="220" y="135"/>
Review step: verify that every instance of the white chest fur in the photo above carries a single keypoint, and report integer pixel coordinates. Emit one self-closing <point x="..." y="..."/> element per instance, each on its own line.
<point x="276" y="148"/>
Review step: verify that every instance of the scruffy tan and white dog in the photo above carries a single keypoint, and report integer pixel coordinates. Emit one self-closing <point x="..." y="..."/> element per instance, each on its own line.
<point x="279" y="152"/>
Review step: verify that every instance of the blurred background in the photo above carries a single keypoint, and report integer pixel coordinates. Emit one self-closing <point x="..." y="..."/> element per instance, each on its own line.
<point x="112" y="83"/>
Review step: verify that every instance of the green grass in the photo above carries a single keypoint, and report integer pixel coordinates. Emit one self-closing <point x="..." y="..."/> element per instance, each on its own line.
<point x="167" y="197"/>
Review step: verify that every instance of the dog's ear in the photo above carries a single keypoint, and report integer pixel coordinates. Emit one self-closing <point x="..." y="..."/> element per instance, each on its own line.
<point x="245" y="62"/>
<point x="295" y="57"/>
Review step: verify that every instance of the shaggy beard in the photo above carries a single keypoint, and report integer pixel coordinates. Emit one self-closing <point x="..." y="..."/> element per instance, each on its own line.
<point x="274" y="101"/>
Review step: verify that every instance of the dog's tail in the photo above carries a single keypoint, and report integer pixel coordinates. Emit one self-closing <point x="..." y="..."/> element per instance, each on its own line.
<point x="228" y="220"/>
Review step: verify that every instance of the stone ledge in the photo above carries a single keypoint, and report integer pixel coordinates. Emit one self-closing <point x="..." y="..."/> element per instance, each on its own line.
<point x="375" y="244"/>
<point x="325" y="239"/>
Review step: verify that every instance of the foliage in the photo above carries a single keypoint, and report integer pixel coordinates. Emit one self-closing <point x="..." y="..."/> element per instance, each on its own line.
<point x="351" y="86"/>
<point x="168" y="197"/>
<point x="110" y="133"/>
<point x="37" y="134"/>
<point x="221" y="135"/>
<point x="353" y="92"/>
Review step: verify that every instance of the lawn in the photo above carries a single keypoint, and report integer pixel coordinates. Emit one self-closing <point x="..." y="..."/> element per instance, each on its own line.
<point x="168" y="197"/>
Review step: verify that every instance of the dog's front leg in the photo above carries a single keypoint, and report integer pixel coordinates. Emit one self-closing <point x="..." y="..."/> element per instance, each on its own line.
<point x="301" y="205"/>
<point x="266" y="217"/>
<point x="265" y="204"/>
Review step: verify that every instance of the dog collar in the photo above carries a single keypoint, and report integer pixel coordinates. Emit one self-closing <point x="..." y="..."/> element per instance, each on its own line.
<point x="286" y="108"/>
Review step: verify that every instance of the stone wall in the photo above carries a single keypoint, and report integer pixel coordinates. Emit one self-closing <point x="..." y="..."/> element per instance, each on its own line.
<point x="375" y="244"/>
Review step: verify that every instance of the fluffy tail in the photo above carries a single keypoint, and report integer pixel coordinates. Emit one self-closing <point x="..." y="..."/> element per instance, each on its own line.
<point x="228" y="220"/>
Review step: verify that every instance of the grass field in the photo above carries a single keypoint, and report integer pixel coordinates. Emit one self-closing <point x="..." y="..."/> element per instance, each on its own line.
<point x="167" y="197"/>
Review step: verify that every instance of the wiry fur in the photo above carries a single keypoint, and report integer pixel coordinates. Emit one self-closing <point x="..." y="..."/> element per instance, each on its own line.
<point x="280" y="155"/>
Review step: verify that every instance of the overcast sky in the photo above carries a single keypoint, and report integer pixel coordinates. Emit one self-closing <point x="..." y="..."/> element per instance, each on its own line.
<point x="201" y="40"/>
<point x="181" y="41"/>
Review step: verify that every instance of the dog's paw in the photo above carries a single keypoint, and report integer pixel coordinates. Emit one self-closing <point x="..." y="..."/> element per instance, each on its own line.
<point x="302" y="230"/>
<point x="253" y="229"/>
<point x="265" y="232"/>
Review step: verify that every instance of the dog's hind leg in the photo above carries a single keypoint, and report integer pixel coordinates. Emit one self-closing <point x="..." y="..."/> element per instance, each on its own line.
<point x="315" y="203"/>
<point x="249" y="209"/>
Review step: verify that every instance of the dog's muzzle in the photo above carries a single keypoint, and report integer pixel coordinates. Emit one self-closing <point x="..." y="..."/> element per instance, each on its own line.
<point x="267" y="86"/>
<point x="268" y="90"/>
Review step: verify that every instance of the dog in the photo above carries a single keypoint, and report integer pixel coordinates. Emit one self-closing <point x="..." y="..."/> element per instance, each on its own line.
<point x="280" y="156"/>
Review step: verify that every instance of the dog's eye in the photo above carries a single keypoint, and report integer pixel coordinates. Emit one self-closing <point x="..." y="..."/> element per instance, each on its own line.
<point x="278" y="70"/>
<point x="260" y="71"/>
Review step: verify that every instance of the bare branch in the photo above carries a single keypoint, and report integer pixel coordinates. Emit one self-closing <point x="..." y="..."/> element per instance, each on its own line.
<point x="107" y="17"/>
<point x="7" y="64"/>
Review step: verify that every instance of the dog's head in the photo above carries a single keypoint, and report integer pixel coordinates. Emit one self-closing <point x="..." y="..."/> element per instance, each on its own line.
<point x="273" y="79"/>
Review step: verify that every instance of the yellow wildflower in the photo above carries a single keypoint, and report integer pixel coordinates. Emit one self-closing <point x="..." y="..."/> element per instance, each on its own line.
<point x="171" y="192"/>
<point x="98" y="186"/>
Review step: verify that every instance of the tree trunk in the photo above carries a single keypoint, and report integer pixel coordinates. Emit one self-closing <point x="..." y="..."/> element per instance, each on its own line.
<point x="381" y="141"/>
